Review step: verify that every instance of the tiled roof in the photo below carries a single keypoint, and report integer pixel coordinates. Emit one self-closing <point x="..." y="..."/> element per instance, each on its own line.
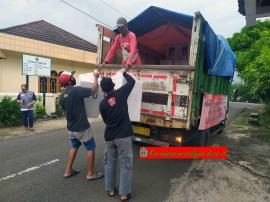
<point x="44" y="31"/>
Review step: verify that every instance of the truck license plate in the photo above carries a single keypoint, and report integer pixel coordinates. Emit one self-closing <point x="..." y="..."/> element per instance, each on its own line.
<point x="141" y="130"/>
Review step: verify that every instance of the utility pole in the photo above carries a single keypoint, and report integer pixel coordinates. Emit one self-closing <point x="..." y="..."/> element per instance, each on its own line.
<point x="27" y="81"/>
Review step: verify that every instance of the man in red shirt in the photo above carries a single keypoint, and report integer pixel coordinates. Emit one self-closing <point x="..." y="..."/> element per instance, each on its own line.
<point x="127" y="41"/>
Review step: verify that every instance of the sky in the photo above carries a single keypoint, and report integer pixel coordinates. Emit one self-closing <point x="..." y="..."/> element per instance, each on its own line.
<point x="222" y="15"/>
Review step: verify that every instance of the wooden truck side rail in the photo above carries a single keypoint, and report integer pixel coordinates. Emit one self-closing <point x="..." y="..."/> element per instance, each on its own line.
<point x="154" y="67"/>
<point x="195" y="36"/>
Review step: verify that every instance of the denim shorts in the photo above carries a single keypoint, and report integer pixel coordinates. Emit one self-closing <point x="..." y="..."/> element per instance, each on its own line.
<point x="85" y="137"/>
<point x="90" y="145"/>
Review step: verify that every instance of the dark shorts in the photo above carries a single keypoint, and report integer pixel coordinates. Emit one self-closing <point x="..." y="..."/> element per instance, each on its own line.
<point x="90" y="145"/>
<point x="85" y="137"/>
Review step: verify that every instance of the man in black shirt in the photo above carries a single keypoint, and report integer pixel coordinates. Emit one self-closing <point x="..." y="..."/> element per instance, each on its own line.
<point x="79" y="130"/>
<point x="118" y="132"/>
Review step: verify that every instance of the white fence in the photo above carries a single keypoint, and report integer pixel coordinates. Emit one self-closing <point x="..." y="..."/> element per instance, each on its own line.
<point x="50" y="103"/>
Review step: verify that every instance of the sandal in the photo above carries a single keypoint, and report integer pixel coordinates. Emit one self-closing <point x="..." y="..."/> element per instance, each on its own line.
<point x="112" y="195"/>
<point x="97" y="176"/>
<point x="73" y="173"/>
<point x="128" y="197"/>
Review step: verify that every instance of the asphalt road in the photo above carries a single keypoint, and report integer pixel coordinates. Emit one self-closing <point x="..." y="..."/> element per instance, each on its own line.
<point x="32" y="167"/>
<point x="235" y="108"/>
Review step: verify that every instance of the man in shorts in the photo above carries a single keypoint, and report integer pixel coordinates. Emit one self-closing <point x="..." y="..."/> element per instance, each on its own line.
<point x="79" y="130"/>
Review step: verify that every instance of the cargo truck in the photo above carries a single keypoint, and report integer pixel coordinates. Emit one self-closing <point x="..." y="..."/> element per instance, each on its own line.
<point x="186" y="74"/>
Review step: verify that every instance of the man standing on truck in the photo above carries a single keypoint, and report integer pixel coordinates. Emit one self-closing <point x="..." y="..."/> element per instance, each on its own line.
<point x="118" y="132"/>
<point x="127" y="41"/>
<point x="79" y="130"/>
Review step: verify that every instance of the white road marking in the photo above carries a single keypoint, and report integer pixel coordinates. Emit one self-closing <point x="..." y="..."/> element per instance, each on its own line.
<point x="29" y="170"/>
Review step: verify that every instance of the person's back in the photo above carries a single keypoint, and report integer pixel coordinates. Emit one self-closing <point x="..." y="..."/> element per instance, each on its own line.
<point x="72" y="101"/>
<point x="114" y="111"/>
<point x="79" y="130"/>
<point x="118" y="144"/>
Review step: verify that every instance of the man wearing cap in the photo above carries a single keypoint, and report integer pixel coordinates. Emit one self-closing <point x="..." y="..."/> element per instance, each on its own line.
<point x="127" y="41"/>
<point x="118" y="143"/>
<point x="79" y="130"/>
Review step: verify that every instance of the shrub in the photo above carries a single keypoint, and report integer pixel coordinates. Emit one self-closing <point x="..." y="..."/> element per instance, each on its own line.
<point x="40" y="110"/>
<point x="59" y="111"/>
<point x="10" y="113"/>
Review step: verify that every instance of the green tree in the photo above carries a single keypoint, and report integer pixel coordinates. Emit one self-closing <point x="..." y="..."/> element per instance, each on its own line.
<point x="244" y="94"/>
<point x="252" y="49"/>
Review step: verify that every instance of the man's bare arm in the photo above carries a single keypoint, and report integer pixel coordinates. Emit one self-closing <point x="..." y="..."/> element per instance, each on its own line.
<point x="95" y="87"/>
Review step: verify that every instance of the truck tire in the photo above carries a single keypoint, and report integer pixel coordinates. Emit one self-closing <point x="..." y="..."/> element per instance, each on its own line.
<point x="222" y="126"/>
<point x="203" y="139"/>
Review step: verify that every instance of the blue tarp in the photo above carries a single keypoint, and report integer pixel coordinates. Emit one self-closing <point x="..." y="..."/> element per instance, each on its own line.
<point x="220" y="60"/>
<point x="154" y="17"/>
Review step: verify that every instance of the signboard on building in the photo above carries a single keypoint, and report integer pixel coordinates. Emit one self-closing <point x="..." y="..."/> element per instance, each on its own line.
<point x="213" y="110"/>
<point x="36" y="66"/>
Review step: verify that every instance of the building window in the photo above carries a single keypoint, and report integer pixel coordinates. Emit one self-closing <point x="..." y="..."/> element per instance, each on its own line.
<point x="184" y="52"/>
<point x="42" y="81"/>
<point x="51" y="84"/>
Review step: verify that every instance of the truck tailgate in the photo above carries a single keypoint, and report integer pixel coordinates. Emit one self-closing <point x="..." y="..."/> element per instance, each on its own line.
<point x="166" y="93"/>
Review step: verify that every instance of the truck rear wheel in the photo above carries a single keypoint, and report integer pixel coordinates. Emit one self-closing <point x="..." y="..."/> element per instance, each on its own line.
<point x="203" y="138"/>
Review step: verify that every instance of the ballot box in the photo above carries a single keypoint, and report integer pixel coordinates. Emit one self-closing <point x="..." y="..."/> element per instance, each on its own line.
<point x="91" y="103"/>
<point x="135" y="97"/>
